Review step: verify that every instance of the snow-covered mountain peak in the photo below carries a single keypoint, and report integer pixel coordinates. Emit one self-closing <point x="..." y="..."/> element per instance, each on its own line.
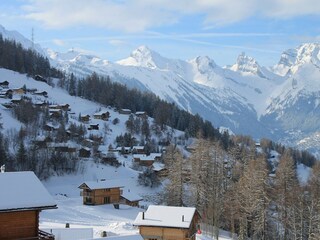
<point x="247" y="64"/>
<point x="145" y="57"/>
<point x="203" y="63"/>
<point x="292" y="59"/>
<point x="308" y="53"/>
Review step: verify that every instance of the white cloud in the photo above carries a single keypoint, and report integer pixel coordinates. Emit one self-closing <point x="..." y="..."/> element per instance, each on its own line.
<point x="139" y="15"/>
<point x="58" y="42"/>
<point x="117" y="42"/>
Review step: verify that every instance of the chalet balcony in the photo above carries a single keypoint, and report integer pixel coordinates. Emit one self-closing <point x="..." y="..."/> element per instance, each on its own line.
<point x="42" y="235"/>
<point x="85" y="194"/>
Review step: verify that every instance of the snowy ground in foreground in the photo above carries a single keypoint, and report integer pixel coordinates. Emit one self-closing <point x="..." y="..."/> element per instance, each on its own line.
<point x="70" y="210"/>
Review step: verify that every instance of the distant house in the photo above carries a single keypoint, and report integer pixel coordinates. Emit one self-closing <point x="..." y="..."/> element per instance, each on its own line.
<point x="63" y="147"/>
<point x="102" y="115"/>
<point x="23" y="197"/>
<point x="6" y="93"/>
<point x="143" y="159"/>
<point x="138" y="149"/>
<point x="4" y="84"/>
<point x="125" y="111"/>
<point x="40" y="78"/>
<point x="101" y="192"/>
<point x="130" y="198"/>
<point x="49" y="127"/>
<point x="84" y="152"/>
<point x="41" y="104"/>
<point x="41" y="93"/>
<point x="87" y="142"/>
<point x="141" y="114"/>
<point x="64" y="107"/>
<point x="55" y="113"/>
<point x="18" y="91"/>
<point x="124" y="150"/>
<point x="93" y="126"/>
<point x="85" y="118"/>
<point x="41" y="141"/>
<point x="165" y="222"/>
<point x="159" y="169"/>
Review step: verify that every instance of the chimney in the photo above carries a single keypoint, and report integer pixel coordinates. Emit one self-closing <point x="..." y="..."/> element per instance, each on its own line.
<point x="182" y="218"/>
<point x="142" y="215"/>
<point x="2" y="168"/>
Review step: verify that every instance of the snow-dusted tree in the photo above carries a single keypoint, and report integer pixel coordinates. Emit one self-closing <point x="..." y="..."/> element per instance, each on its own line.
<point x="252" y="198"/>
<point x="174" y="190"/>
<point x="286" y="183"/>
<point x="313" y="204"/>
<point x="200" y="159"/>
<point x="130" y="124"/>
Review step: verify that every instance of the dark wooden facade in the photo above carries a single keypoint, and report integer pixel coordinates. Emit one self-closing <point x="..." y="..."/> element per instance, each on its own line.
<point x="100" y="196"/>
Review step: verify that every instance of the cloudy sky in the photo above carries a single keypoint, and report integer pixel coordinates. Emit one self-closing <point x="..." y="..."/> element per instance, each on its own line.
<point x="184" y="29"/>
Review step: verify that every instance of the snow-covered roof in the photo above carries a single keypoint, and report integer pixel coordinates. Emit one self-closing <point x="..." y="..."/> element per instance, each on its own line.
<point x="23" y="190"/>
<point x="102" y="184"/>
<point x="158" y="166"/>
<point x="131" y="196"/>
<point x="166" y="216"/>
<point x="138" y="147"/>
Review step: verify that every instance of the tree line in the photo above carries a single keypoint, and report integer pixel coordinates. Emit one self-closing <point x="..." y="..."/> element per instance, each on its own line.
<point x="234" y="190"/>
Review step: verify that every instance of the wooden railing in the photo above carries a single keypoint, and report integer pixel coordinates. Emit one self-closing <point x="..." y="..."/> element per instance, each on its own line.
<point x="42" y="235"/>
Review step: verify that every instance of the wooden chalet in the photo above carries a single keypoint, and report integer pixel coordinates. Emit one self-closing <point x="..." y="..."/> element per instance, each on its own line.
<point x="41" y="104"/>
<point x="85" y="118"/>
<point x="6" y="93"/>
<point x="143" y="159"/>
<point x="138" y="149"/>
<point x="40" y="78"/>
<point x="125" y="111"/>
<point x="63" y="147"/>
<point x="84" y="152"/>
<point x="102" y="116"/>
<point x="64" y="107"/>
<point x="130" y="198"/>
<point x="23" y="197"/>
<point x="55" y="113"/>
<point x="16" y="101"/>
<point x="165" y="222"/>
<point x="4" y="84"/>
<point x="18" y="91"/>
<point x="93" y="126"/>
<point x="50" y="128"/>
<point x="101" y="192"/>
<point x="41" y="93"/>
<point x="141" y="114"/>
<point x="88" y="142"/>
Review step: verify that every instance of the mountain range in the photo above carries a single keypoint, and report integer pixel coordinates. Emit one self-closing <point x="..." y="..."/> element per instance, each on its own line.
<point x="281" y="102"/>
